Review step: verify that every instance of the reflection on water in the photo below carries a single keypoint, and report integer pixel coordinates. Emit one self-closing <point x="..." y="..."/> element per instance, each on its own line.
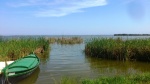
<point x="70" y="60"/>
<point x="64" y="60"/>
<point x="44" y="57"/>
<point x="32" y="78"/>
<point x="112" y="67"/>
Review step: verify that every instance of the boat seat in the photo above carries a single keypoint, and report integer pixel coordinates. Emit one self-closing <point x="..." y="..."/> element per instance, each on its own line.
<point x="18" y="66"/>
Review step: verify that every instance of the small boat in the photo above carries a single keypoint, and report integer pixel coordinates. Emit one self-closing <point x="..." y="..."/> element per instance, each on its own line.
<point x="20" y="68"/>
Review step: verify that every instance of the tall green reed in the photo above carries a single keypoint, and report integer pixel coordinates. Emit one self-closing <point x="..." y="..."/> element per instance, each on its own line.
<point x="118" y="49"/>
<point x="72" y="40"/>
<point x="15" y="48"/>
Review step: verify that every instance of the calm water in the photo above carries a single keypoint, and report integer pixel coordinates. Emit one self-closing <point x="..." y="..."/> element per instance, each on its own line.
<point x="70" y="61"/>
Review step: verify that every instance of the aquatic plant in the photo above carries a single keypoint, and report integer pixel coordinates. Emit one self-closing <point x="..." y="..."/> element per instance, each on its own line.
<point x="63" y="40"/>
<point x="15" y="48"/>
<point x="118" y="49"/>
<point x="1" y="38"/>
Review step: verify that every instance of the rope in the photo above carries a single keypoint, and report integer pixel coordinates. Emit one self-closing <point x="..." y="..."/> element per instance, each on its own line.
<point x="4" y="78"/>
<point x="7" y="78"/>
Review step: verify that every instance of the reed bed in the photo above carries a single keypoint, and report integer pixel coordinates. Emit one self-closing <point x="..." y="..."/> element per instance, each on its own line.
<point x="15" y="48"/>
<point x="72" y="40"/>
<point x="118" y="49"/>
<point x="1" y="38"/>
<point x="143" y="78"/>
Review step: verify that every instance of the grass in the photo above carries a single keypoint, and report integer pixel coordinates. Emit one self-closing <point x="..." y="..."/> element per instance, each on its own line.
<point x="15" y="48"/>
<point x="66" y="80"/>
<point x="130" y="79"/>
<point x="118" y="49"/>
<point x="72" y="40"/>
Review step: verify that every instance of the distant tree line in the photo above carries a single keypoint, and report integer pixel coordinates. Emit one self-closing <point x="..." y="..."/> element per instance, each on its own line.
<point x="131" y="34"/>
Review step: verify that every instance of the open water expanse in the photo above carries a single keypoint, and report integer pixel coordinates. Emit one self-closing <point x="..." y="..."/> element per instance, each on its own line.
<point x="70" y="61"/>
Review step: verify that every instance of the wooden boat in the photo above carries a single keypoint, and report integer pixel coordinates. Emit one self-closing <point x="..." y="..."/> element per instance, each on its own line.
<point x="20" y="68"/>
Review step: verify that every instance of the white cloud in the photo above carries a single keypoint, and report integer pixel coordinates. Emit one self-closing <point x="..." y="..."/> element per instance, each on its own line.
<point x="57" y="8"/>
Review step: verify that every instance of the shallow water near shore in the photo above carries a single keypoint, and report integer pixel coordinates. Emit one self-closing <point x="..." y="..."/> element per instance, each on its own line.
<point x="70" y="61"/>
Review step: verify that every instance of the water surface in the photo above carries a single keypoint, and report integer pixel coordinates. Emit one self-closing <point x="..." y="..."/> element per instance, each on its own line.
<point x="70" y="61"/>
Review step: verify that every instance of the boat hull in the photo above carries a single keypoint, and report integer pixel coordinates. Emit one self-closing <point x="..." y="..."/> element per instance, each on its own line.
<point x="20" y="69"/>
<point x="14" y="80"/>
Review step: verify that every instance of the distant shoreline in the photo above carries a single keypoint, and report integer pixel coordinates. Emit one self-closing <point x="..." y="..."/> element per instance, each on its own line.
<point x="131" y="34"/>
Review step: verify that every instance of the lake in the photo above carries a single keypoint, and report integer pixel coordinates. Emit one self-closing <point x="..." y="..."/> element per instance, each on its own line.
<point x="70" y="61"/>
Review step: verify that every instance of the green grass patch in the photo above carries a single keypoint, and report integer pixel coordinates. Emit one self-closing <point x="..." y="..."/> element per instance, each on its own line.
<point x="118" y="49"/>
<point x="130" y="79"/>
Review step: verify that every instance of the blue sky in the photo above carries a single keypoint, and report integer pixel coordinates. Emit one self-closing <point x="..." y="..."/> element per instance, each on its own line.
<point x="74" y="17"/>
